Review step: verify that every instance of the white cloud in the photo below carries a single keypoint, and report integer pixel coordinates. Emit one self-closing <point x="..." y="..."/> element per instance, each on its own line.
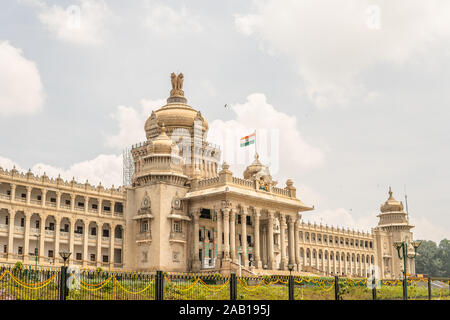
<point x="106" y="169"/>
<point x="333" y="43"/>
<point x="426" y="230"/>
<point x="164" y="20"/>
<point x="131" y="123"/>
<point x="21" y="89"/>
<point x="341" y="217"/>
<point x="423" y="228"/>
<point x="81" y="23"/>
<point x="280" y="143"/>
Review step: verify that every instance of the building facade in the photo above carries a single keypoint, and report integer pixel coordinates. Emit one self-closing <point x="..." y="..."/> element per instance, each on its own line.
<point x="184" y="212"/>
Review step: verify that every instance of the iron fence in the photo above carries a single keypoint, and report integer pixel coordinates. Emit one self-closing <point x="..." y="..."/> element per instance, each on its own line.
<point x="18" y="283"/>
<point x="29" y="284"/>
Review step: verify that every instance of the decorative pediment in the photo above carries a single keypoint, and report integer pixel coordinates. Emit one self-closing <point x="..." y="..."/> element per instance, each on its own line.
<point x="145" y="210"/>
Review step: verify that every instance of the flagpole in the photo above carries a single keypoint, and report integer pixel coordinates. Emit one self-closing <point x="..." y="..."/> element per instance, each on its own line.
<point x="256" y="144"/>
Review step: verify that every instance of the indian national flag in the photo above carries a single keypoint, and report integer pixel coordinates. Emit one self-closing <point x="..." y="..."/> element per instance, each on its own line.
<point x="248" y="140"/>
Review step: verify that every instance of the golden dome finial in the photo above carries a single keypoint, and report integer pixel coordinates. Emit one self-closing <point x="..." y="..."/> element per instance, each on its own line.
<point x="390" y="192"/>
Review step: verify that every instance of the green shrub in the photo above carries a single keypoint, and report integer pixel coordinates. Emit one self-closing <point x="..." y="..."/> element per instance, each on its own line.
<point x="18" y="266"/>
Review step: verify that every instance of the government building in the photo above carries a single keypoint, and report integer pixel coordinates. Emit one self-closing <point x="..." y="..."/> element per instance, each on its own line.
<point x="185" y="212"/>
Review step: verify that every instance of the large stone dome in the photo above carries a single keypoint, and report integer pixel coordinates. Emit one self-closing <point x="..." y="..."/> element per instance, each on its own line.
<point x="174" y="115"/>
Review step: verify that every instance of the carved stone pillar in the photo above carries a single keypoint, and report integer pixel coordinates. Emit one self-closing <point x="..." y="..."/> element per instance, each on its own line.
<point x="226" y="231"/>
<point x="195" y="259"/>
<point x="271" y="264"/>
<point x="72" y="239"/>
<point x="28" y="198"/>
<point x="58" y="200"/>
<point x="283" y="262"/>
<point x="57" y="232"/>
<point x="296" y="245"/>
<point x="233" y="235"/>
<point x="99" y="244"/>
<point x="219" y="236"/>
<point x="43" y="197"/>
<point x="86" y="204"/>
<point x="111" y="246"/>
<point x="13" y="192"/>
<point x="292" y="243"/>
<point x="244" y="237"/>
<point x="100" y="205"/>
<point x="72" y="201"/>
<point x="258" y="263"/>
<point x="85" y="242"/>
<point x="41" y="252"/>
<point x="26" y="240"/>
<point x="12" y="215"/>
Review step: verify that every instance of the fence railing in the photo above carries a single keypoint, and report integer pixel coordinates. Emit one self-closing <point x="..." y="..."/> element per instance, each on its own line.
<point x="72" y="284"/>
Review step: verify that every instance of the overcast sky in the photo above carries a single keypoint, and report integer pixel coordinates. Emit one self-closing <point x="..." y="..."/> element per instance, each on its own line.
<point x="356" y="91"/>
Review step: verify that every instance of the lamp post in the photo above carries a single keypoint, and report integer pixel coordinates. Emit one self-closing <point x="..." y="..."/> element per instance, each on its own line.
<point x="36" y="250"/>
<point x="65" y="255"/>
<point x="290" y="267"/>
<point x="402" y="250"/>
<point x="63" y="285"/>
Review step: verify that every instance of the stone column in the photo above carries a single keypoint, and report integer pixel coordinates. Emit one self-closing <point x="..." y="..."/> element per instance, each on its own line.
<point x="72" y="201"/>
<point x="258" y="263"/>
<point x="296" y="245"/>
<point x="263" y="235"/>
<point x="111" y="246"/>
<point x="72" y="239"/>
<point x="86" y="204"/>
<point x="42" y="238"/>
<point x="12" y="215"/>
<point x="100" y="205"/>
<point x="99" y="244"/>
<point x="58" y="200"/>
<point x="44" y="195"/>
<point x="219" y="236"/>
<point x="195" y="259"/>
<point x="28" y="196"/>
<point x="57" y="232"/>
<point x="271" y="263"/>
<point x="85" y="242"/>
<point x="244" y="237"/>
<point x="26" y="240"/>
<point x="233" y="235"/>
<point x="283" y="263"/>
<point x="226" y="231"/>
<point x="292" y="243"/>
<point x="13" y="192"/>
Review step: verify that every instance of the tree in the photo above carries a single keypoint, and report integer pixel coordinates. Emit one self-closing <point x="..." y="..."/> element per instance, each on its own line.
<point x="432" y="259"/>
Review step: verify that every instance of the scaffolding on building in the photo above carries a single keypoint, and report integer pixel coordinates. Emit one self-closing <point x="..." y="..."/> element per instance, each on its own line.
<point x="128" y="166"/>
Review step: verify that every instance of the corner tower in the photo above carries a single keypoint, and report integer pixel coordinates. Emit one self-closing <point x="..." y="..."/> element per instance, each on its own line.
<point x="393" y="225"/>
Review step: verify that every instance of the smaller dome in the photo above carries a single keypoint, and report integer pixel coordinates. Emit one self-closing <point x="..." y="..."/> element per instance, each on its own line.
<point x="162" y="144"/>
<point x="391" y="204"/>
<point x="254" y="168"/>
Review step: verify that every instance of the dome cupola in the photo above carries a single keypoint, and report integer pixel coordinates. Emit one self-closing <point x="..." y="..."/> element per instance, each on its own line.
<point x="391" y="204"/>
<point x="162" y="144"/>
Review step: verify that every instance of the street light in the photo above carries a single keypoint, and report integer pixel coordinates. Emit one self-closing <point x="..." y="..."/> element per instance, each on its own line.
<point x="65" y="255"/>
<point x="36" y="250"/>
<point x="402" y="250"/>
<point x="290" y="268"/>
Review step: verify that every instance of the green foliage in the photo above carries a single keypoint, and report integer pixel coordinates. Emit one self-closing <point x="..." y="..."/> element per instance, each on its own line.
<point x="432" y="259"/>
<point x="18" y="266"/>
